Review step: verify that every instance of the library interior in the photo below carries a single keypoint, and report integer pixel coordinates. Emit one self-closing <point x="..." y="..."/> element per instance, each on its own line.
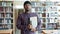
<point x="48" y="12"/>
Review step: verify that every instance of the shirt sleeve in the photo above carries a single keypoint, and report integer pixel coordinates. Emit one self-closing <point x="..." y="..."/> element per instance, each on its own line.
<point x="18" y="24"/>
<point x="39" y="24"/>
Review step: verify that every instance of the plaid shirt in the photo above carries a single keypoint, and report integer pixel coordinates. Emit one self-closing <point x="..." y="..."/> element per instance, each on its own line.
<point x="23" y="21"/>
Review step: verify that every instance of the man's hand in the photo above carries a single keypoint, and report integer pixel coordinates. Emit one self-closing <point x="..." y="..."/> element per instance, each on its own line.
<point x="30" y="27"/>
<point x="33" y="29"/>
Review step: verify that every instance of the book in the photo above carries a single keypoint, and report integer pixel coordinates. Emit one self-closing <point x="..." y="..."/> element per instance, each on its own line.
<point x="1" y="9"/>
<point x="8" y="4"/>
<point x="7" y="9"/>
<point x="33" y="21"/>
<point x="0" y="20"/>
<point x="44" y="20"/>
<point x="8" y="15"/>
<point x="43" y="14"/>
<point x="1" y="26"/>
<point x="0" y="15"/>
<point x="3" y="3"/>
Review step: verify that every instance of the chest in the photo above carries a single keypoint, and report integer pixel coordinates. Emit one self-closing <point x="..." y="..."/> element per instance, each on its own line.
<point x="26" y="17"/>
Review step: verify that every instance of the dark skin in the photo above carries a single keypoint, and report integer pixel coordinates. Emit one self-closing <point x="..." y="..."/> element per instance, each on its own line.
<point x="27" y="8"/>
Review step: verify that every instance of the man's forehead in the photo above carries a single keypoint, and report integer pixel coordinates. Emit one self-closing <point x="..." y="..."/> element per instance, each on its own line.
<point x="28" y="4"/>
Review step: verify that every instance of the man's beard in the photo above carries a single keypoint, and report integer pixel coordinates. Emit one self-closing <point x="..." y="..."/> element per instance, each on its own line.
<point x="27" y="10"/>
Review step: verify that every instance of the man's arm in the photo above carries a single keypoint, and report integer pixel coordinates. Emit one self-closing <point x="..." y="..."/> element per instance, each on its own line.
<point x="39" y="24"/>
<point x="18" y="24"/>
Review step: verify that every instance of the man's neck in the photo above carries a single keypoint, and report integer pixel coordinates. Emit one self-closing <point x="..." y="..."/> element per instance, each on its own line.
<point x="27" y="11"/>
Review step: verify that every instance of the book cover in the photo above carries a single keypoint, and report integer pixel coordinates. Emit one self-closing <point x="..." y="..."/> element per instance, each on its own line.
<point x="33" y="21"/>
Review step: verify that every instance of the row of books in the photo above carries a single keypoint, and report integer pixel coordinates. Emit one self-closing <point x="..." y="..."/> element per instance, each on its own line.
<point x="47" y="8"/>
<point x="49" y="20"/>
<point x="6" y="9"/>
<point x="5" y="26"/>
<point x="48" y="15"/>
<point x="52" y="25"/>
<point x="47" y="11"/>
<point x="8" y="15"/>
<point x="6" y="21"/>
<point x="44" y="3"/>
<point x="49" y="26"/>
<point x="6" y="4"/>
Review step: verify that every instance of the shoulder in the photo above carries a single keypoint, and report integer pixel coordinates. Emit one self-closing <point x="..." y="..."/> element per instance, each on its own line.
<point x="34" y="14"/>
<point x="20" y="14"/>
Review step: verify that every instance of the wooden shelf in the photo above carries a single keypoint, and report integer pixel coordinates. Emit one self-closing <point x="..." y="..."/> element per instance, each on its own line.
<point x="7" y="23"/>
<point x="50" y="31"/>
<point x="47" y="11"/>
<point x="6" y="31"/>
<point x="6" y="17"/>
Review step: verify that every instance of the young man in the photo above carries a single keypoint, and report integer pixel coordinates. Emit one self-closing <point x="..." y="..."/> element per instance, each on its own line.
<point x="23" y="21"/>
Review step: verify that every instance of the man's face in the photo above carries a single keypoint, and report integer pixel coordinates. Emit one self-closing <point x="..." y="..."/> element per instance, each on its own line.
<point x="27" y="7"/>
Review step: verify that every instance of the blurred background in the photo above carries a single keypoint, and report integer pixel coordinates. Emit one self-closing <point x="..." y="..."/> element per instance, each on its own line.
<point x="48" y="12"/>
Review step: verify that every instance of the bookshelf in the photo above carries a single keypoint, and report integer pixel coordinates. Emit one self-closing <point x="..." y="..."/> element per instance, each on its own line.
<point x="48" y="13"/>
<point x="6" y="15"/>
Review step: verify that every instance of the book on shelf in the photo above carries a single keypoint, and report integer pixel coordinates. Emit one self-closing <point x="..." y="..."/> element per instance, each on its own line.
<point x="48" y="20"/>
<point x="1" y="26"/>
<point x="7" y="9"/>
<point x="41" y="21"/>
<point x="36" y="8"/>
<point x="49" y="26"/>
<point x="6" y="4"/>
<point x="52" y="20"/>
<point x="49" y="10"/>
<point x="39" y="15"/>
<point x="43" y="14"/>
<point x="9" y="26"/>
<point x="9" y="21"/>
<point x="52" y="25"/>
<point x="8" y="15"/>
<point x="52" y="8"/>
<point x="1" y="9"/>
<point x="37" y="4"/>
<point x="12" y="21"/>
<point x="0" y="3"/>
<point x="55" y="14"/>
<point x="3" y="3"/>
<point x="6" y="24"/>
<point x="40" y="8"/>
<point x="44" y="20"/>
<point x="47" y="14"/>
<point x="33" y="10"/>
<point x="43" y="26"/>
<point x="44" y="4"/>
<point x="1" y="20"/>
<point x="1" y="15"/>
<point x="44" y="9"/>
<point x="9" y="4"/>
<point x="33" y="4"/>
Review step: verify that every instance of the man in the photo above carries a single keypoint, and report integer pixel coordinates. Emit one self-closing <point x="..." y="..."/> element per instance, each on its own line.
<point x="23" y="21"/>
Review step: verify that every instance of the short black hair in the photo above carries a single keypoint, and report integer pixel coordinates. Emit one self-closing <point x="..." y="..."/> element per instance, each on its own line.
<point x="27" y="2"/>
